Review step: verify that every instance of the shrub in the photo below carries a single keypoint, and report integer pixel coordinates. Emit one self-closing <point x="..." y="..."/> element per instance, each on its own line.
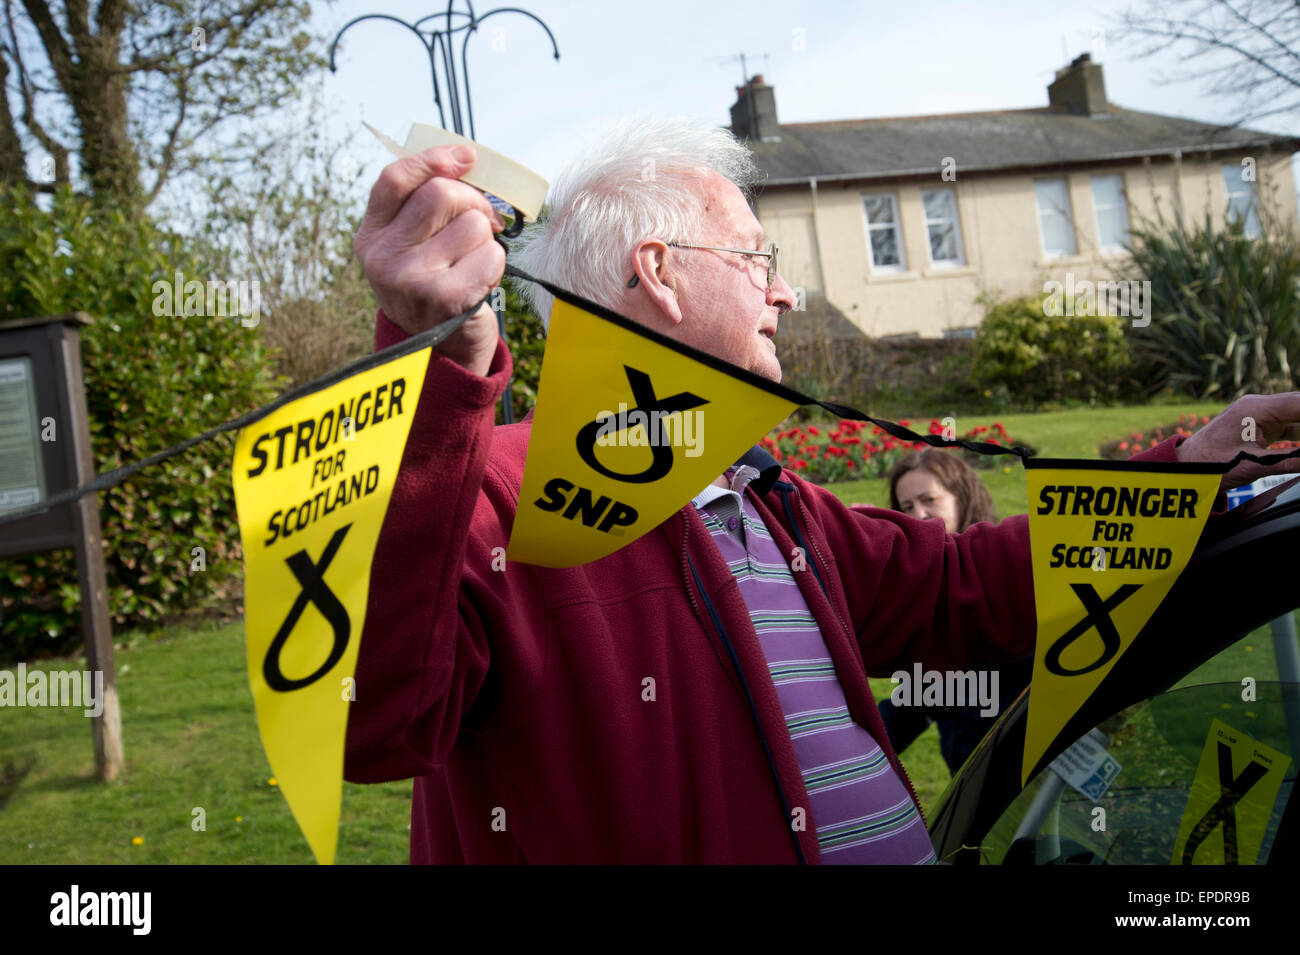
<point x="1225" y="309"/>
<point x="1035" y="357"/>
<point x="150" y="381"/>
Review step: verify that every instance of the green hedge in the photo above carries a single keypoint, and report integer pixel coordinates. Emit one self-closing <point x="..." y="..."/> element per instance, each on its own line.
<point x="1035" y="358"/>
<point x="151" y="380"/>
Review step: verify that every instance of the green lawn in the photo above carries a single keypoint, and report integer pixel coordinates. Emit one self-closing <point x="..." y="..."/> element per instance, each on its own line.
<point x="191" y="741"/>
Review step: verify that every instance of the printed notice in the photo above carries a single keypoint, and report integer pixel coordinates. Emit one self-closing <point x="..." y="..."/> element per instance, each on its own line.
<point x="1087" y="767"/>
<point x="22" y="479"/>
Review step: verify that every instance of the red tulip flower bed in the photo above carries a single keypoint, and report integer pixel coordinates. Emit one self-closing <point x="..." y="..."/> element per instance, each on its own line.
<point x="850" y="450"/>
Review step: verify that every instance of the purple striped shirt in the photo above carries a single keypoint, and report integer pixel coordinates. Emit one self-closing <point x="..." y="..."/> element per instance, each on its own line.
<point x="861" y="810"/>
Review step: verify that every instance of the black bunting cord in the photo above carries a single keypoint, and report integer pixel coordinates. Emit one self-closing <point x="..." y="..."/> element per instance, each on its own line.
<point x="853" y="414"/>
<point x="111" y="479"/>
<point x="442" y="331"/>
<point x="758" y="381"/>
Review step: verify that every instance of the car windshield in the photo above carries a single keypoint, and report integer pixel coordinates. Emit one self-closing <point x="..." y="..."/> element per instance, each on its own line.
<point x="1202" y="773"/>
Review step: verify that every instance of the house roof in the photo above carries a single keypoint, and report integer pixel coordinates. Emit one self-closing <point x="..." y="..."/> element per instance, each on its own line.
<point x="988" y="141"/>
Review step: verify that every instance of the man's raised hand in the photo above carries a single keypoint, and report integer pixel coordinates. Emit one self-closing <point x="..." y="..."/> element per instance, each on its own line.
<point x="1250" y="423"/>
<point x="427" y="248"/>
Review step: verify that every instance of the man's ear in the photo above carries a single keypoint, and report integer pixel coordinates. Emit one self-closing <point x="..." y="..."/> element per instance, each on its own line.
<point x="655" y="281"/>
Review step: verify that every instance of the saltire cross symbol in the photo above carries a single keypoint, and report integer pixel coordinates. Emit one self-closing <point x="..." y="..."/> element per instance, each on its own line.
<point x="1098" y="615"/>
<point x="1225" y="810"/>
<point x="311" y="577"/>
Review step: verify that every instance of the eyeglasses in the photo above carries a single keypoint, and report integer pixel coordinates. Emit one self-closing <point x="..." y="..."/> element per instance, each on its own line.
<point x="770" y="252"/>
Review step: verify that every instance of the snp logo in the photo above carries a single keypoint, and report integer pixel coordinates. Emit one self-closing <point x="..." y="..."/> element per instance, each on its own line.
<point x="103" y="908"/>
<point x="651" y="424"/>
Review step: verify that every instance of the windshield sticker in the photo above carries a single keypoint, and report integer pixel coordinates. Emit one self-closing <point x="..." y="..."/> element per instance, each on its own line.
<point x="1231" y="800"/>
<point x="1087" y="767"/>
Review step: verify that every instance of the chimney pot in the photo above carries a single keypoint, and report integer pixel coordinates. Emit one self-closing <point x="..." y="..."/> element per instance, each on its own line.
<point x="753" y="116"/>
<point x="1079" y="88"/>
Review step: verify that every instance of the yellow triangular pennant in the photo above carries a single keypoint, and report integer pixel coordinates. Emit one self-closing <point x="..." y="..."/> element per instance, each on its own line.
<point x="312" y="482"/>
<point x="1108" y="540"/>
<point x="628" y="427"/>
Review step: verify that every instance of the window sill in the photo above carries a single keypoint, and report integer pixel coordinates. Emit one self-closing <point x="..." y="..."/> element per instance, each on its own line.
<point x="910" y="275"/>
<point x="949" y="271"/>
<point x="1064" y="260"/>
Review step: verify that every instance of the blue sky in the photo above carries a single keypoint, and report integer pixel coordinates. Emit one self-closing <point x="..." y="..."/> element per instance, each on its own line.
<point x="826" y="60"/>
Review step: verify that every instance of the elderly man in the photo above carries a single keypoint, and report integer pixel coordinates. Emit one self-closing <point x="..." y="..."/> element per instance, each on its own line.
<point x="700" y="695"/>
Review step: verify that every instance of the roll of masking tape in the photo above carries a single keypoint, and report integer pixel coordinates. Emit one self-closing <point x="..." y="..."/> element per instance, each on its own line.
<point x="493" y="173"/>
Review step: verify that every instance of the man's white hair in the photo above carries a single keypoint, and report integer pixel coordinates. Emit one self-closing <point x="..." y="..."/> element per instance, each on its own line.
<point x="637" y="181"/>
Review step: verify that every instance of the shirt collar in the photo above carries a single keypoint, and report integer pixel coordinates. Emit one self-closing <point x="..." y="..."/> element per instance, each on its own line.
<point x="766" y="466"/>
<point x="756" y="468"/>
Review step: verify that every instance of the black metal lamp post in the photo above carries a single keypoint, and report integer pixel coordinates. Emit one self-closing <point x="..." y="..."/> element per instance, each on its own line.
<point x="437" y="41"/>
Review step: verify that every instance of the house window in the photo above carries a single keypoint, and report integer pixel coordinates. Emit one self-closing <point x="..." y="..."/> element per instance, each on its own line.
<point x="959" y="332"/>
<point x="1054" y="219"/>
<point x="885" y="235"/>
<point x="1111" y="207"/>
<point x="1242" y="202"/>
<point x="942" y="226"/>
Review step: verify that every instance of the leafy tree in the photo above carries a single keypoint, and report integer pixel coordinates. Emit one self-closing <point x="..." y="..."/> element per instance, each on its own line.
<point x="291" y="225"/>
<point x="128" y="88"/>
<point x="526" y="336"/>
<point x="289" y="222"/>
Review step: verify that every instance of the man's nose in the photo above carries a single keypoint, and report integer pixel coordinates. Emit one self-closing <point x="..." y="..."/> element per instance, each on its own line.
<point x="781" y="295"/>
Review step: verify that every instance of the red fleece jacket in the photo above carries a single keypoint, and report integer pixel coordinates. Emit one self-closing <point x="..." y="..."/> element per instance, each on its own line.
<point x="519" y="697"/>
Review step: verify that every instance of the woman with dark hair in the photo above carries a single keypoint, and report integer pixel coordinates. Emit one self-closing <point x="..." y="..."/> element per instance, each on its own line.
<point x="938" y="485"/>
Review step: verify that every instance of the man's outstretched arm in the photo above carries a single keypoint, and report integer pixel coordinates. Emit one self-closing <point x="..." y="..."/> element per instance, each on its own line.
<point x="427" y="248"/>
<point x="962" y="601"/>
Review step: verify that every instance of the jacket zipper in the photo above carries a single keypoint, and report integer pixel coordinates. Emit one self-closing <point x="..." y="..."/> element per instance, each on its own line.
<point x="809" y="546"/>
<point x="735" y="662"/>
